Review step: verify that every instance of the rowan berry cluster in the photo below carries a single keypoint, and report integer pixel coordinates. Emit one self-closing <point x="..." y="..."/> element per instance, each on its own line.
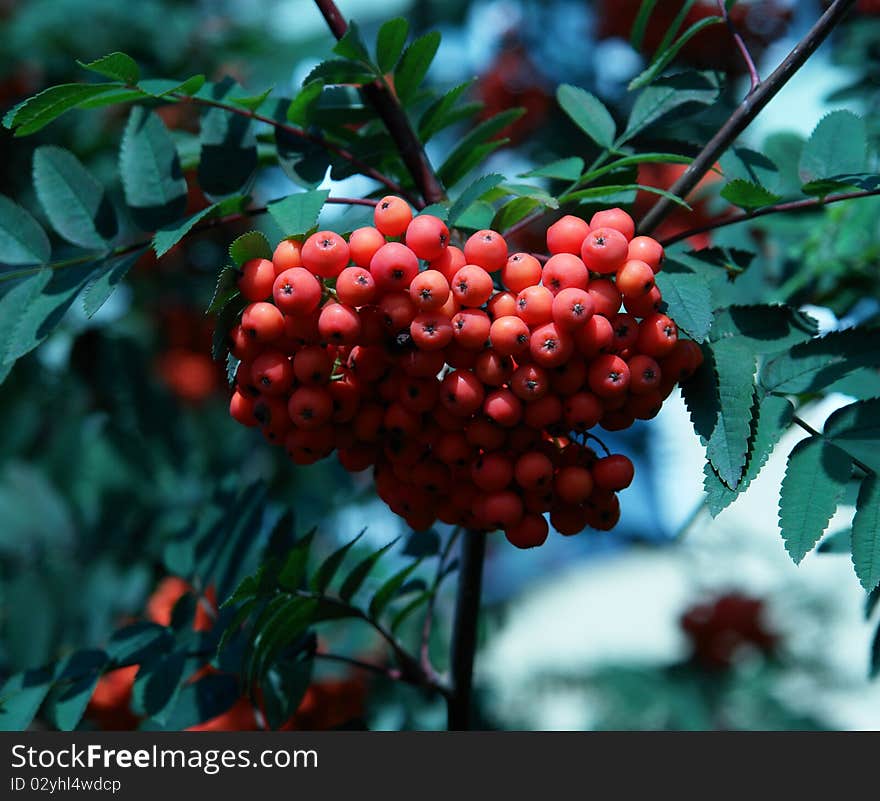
<point x="467" y="378"/>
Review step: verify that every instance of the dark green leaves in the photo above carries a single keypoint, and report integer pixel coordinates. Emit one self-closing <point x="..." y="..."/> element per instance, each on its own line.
<point x="689" y="302"/>
<point x="21" y="696"/>
<point x="155" y="189"/>
<point x="73" y="200"/>
<point x="838" y="146"/>
<point x="665" y="55"/>
<point x="297" y="214"/>
<point x="475" y="146"/>
<point x="358" y="575"/>
<point x="168" y="237"/>
<point x="229" y="149"/>
<point x="414" y="65"/>
<point x="470" y="195"/>
<point x="815" y="479"/>
<point x="588" y="113"/>
<point x="73" y="688"/>
<point x="389" y="43"/>
<point x="157" y="683"/>
<point x="866" y="534"/>
<point x="38" y="111"/>
<point x="22" y="241"/>
<point x="329" y="567"/>
<point x="118" y="66"/>
<point x="252" y="245"/>
<point x="856" y="429"/>
<point x="748" y="195"/>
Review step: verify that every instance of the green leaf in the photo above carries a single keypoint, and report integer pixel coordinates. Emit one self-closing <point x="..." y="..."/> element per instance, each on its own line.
<point x="389" y="590"/>
<point x="252" y="245"/>
<point x="770" y="419"/>
<point x="866" y="534"/>
<point x="16" y="296"/>
<point x="67" y="701"/>
<point x="293" y="570"/>
<point x="413" y="66"/>
<point x="228" y="157"/>
<point x="668" y="55"/>
<point x="856" y="429"/>
<point x="747" y="195"/>
<point x="442" y="112"/>
<point x="588" y="113"/>
<point x="23" y="242"/>
<point x="103" y="284"/>
<point x="568" y="169"/>
<point x="118" y="66"/>
<point x="599" y="192"/>
<point x="162" y="87"/>
<point x="815" y="479"/>
<point x="629" y="161"/>
<point x="157" y="683"/>
<point x="728" y="444"/>
<point x="477" y="217"/>
<point x="21" y="696"/>
<point x="814" y="365"/>
<point x="303" y="161"/>
<point x="297" y="214"/>
<point x="683" y="93"/>
<point x="689" y="302"/>
<point x="197" y="702"/>
<point x="328" y="568"/>
<point x="167" y="238"/>
<point x="356" y="577"/>
<point x="138" y="641"/>
<point x="471" y="194"/>
<point x="512" y="212"/>
<point x="389" y="43"/>
<point x="225" y="289"/>
<point x="420" y="600"/>
<point x="339" y="71"/>
<point x="73" y="200"/>
<point x="251" y="102"/>
<point x="287" y="621"/>
<point x="300" y="108"/>
<point x="637" y="35"/>
<point x="838" y="146"/>
<point x="284" y="686"/>
<point x="154" y="185"/>
<point x="741" y="163"/>
<point x="768" y="328"/>
<point x="351" y="45"/>
<point x="38" y="111"/>
<point x="469" y="152"/>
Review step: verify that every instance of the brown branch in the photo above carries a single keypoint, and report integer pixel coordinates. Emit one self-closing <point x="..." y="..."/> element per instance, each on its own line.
<point x="393" y="115"/>
<point x="750" y="107"/>
<point x="362" y="167"/>
<point x="794" y="205"/>
<point x="754" y="78"/>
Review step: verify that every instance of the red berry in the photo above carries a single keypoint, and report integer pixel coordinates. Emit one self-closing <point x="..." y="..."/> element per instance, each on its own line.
<point x="356" y="286"/>
<point x="510" y="336"/>
<point x="492" y="472"/>
<point x="393" y="267"/>
<point x="657" y="335"/>
<point x="450" y="262"/>
<point x="644" y="374"/>
<point x="608" y="376"/>
<point x="530" y="382"/>
<point x="241" y="409"/>
<point x="595" y="337"/>
<point x="567" y="235"/>
<point x="472" y="286"/>
<point x="535" y="305"/>
<point x="502" y="304"/>
<point x="613" y="472"/>
<point x="461" y="393"/>
<point x="363" y="244"/>
<point x="287" y="255"/>
<point x="339" y="324"/>
<point x="427" y="236"/>
<point x="606" y="298"/>
<point x="572" y="308"/>
<point x="583" y="411"/>
<point x="503" y="407"/>
<point x="257" y="277"/>
<point x="614" y="218"/>
<point x="431" y="331"/>
<point x="502" y="509"/>
<point x="392" y="215"/>
<point x="296" y="291"/>
<point x="573" y="485"/>
<point x="647" y="250"/>
<point x="564" y="271"/>
<point x="487" y="249"/>
<point x="549" y="346"/>
<point x="530" y="532"/>
<point x="429" y="290"/>
<point x="262" y="322"/>
<point x="310" y="407"/>
<point x="272" y="372"/>
<point x="521" y="270"/>
<point x="634" y="279"/>
<point x="470" y="328"/>
<point x="493" y="368"/>
<point x="533" y="471"/>
<point x="604" y="250"/>
<point x="325" y="253"/>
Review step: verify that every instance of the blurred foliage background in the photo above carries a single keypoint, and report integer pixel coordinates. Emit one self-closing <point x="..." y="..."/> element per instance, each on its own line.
<point x="115" y="434"/>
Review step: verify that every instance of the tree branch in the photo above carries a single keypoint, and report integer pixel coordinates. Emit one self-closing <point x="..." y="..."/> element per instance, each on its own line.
<point x="778" y="208"/>
<point x="464" y="629"/>
<point x="389" y="109"/>
<point x="750" y="107"/>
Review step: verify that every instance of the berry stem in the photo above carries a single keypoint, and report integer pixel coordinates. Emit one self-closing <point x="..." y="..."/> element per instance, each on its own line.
<point x="754" y="78"/>
<point x="386" y="103"/>
<point x="753" y="103"/>
<point x="464" y="629"/>
<point x="778" y="208"/>
<point x="425" y="650"/>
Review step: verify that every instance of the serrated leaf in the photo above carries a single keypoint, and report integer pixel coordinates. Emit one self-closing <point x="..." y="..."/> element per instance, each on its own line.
<point x="137" y="641"/>
<point x="283" y="689"/>
<point x="471" y="194"/>
<point x="470" y="152"/>
<point x="414" y="64"/>
<point x="228" y="157"/>
<point x="303" y="161"/>
<point x="815" y="478"/>
<point x="297" y="214"/>
<point x="668" y="55"/>
<point x="351" y="44"/>
<point x="328" y="568"/>
<point x="73" y="200"/>
<point x="512" y="212"/>
<point x="224" y="290"/>
<point x="16" y="296"/>
<point x="390" y="42"/>
<point x="589" y="114"/>
<point x="356" y="577"/>
<point x="301" y="106"/>
<point x="339" y="71"/>
<point x="198" y="702"/>
<point x="814" y="365"/>
<point x="157" y="683"/>
<point x="119" y="66"/>
<point x="107" y="278"/>
<point x="293" y="571"/>
<point x="748" y="195"/>
<point x="155" y="189"/>
<point x="677" y="92"/>
<point x="389" y="590"/>
<point x="23" y="242"/>
<point x="629" y="161"/>
<point x="856" y="429"/>
<point x="38" y="111"/>
<point x="252" y="245"/>
<point x="67" y="701"/>
<point x="21" y="696"/>
<point x="443" y="112"/>
<point x="866" y="534"/>
<point x="741" y="163"/>
<point x="771" y="418"/>
<point x="162" y="87"/>
<point x="689" y="302"/>
<point x="167" y="238"/>
<point x="837" y="146"/>
<point x="477" y="217"/>
<point x="603" y="192"/>
<point x="568" y="169"/>
<point x="289" y="622"/>
<point x="769" y="328"/>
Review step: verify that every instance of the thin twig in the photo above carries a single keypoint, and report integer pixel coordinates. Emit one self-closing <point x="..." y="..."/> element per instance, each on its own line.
<point x="425" y="650"/>
<point x="362" y="167"/>
<point x="810" y="430"/>
<point x="205" y="225"/>
<point x="388" y="673"/>
<point x="754" y="78"/>
<point x="794" y="205"/>
<point x="751" y="106"/>
<point x="382" y="97"/>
